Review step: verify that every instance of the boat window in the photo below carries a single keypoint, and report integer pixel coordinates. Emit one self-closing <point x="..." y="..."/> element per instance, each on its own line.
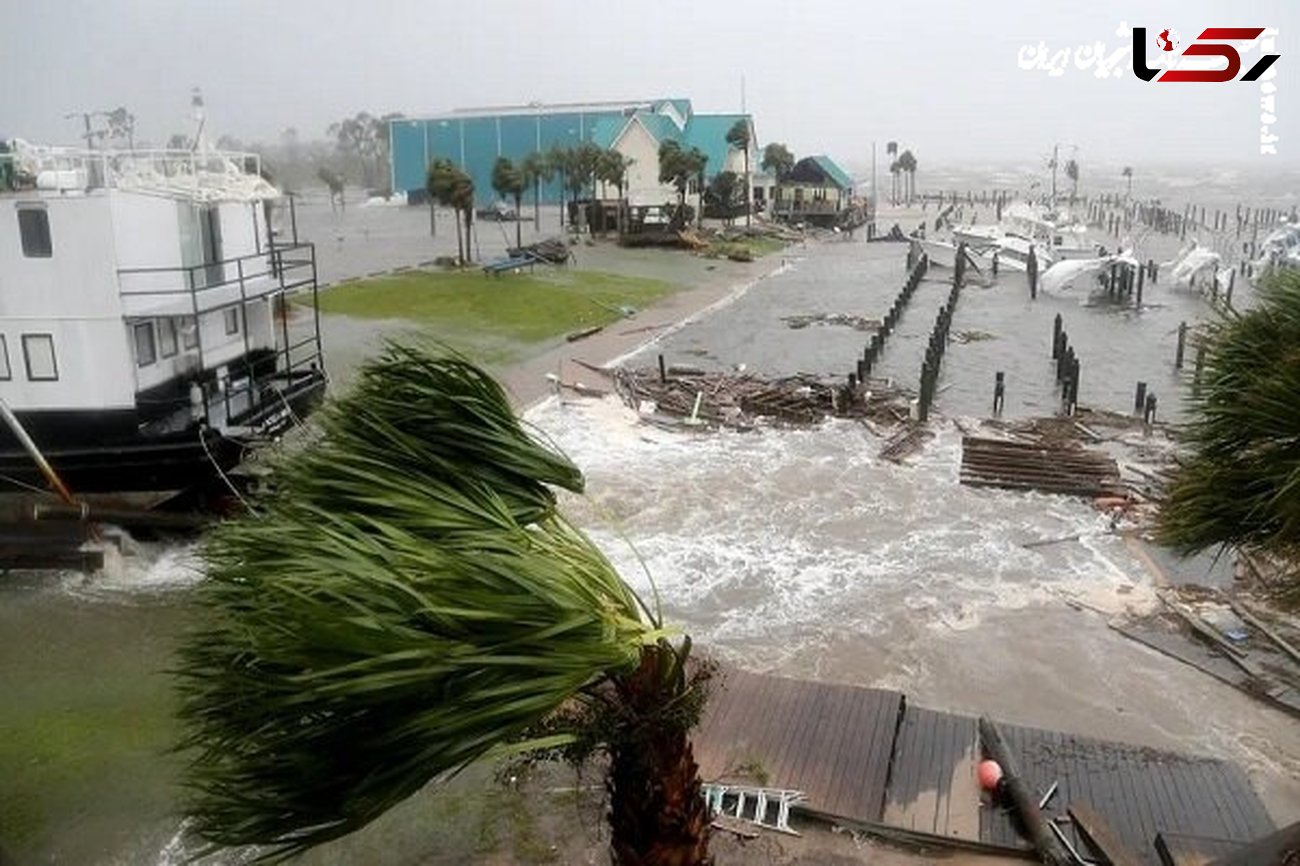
<point x="38" y="354"/>
<point x="146" y="350"/>
<point x="34" y="227"/>
<point x="5" y="373"/>
<point x="232" y="321"/>
<point x="167" y="337"/>
<point x="189" y="333"/>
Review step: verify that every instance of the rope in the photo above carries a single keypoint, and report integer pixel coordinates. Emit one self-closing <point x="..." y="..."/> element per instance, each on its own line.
<point x="204" y="442"/>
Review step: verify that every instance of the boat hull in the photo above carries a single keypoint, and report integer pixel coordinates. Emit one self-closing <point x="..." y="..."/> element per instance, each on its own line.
<point x="91" y="455"/>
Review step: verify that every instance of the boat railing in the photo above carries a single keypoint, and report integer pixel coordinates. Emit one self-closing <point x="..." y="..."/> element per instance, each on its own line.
<point x="28" y="166"/>
<point x="255" y="393"/>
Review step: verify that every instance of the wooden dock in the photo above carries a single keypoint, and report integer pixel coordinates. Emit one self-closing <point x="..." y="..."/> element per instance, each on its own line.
<point x="1026" y="466"/>
<point x="869" y="758"/>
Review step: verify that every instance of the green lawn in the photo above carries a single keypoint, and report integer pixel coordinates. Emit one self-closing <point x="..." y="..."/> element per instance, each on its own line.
<point x="520" y="307"/>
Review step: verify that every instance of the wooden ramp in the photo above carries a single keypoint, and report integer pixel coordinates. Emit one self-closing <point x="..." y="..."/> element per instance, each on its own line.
<point x="830" y="741"/>
<point x="867" y="756"/>
<point x="1025" y="466"/>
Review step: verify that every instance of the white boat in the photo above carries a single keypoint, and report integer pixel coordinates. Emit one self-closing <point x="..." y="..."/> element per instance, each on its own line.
<point x="140" y="345"/>
<point x="1083" y="274"/>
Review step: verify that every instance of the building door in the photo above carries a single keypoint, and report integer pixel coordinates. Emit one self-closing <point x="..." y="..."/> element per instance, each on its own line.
<point x="210" y="235"/>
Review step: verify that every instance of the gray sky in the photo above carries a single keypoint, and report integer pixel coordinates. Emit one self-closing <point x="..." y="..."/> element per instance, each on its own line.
<point x="940" y="77"/>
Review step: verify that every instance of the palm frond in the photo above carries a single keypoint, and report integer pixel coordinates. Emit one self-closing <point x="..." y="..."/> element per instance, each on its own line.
<point x="406" y="600"/>
<point x="1240" y="484"/>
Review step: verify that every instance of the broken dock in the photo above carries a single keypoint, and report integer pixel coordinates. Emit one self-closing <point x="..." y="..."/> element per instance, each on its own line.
<point x="869" y="759"/>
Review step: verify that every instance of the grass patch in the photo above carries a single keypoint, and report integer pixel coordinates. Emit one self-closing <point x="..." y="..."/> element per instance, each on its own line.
<point x="520" y="307"/>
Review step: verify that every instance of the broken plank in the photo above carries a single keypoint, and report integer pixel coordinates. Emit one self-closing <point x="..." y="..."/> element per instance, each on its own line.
<point x="1098" y="834"/>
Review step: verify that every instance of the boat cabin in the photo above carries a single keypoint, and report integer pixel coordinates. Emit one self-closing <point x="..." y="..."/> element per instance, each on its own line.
<point x="143" y="315"/>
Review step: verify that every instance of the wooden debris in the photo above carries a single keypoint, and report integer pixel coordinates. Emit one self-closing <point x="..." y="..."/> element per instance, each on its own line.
<point x="1050" y="469"/>
<point x="857" y="323"/>
<point x="1041" y="833"/>
<point x="737" y="399"/>
<point x="584" y="333"/>
<point x="904" y="443"/>
<point x="1101" y="837"/>
<point x="1263" y="629"/>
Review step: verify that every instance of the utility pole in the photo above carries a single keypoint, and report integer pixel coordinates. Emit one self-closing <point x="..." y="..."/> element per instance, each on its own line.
<point x="85" y="116"/>
<point x="1055" y="149"/>
<point x="874" y="200"/>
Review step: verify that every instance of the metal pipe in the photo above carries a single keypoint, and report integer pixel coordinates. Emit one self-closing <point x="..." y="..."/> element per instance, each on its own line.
<point x="47" y="470"/>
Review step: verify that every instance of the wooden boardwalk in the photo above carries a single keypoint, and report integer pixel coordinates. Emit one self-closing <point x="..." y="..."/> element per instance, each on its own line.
<point x="831" y="742"/>
<point x="867" y="756"/>
<point x="1027" y="466"/>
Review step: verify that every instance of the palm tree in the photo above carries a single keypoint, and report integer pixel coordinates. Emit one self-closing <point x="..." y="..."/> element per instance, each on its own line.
<point x="778" y="161"/>
<point x="1238" y="487"/>
<point x="509" y="181"/>
<point x="1072" y="172"/>
<point x="739" y="136"/>
<point x="559" y="161"/>
<point x="907" y="165"/>
<point x="612" y="168"/>
<point x="1128" y="173"/>
<point x="679" y="167"/>
<point x="408" y="600"/>
<point x="891" y="149"/>
<point x="535" y="168"/>
<point x="452" y="188"/>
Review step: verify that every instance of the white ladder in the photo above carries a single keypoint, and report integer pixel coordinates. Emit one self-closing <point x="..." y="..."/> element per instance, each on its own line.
<point x="753" y="804"/>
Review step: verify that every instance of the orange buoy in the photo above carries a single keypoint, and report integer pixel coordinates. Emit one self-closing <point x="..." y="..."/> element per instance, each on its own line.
<point x="990" y="774"/>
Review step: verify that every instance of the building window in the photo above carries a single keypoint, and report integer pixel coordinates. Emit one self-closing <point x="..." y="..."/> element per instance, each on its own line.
<point x="38" y="354"/>
<point x="5" y="373"/>
<point x="146" y="351"/>
<point x="189" y="333"/>
<point x="232" y="321"/>
<point x="167" y="337"/>
<point x="34" y="227"/>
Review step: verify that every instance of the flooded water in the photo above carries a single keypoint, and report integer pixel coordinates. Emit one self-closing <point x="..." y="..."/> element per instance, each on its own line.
<point x="793" y="551"/>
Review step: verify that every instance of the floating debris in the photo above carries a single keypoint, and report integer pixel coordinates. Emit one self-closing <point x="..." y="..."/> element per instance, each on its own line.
<point x="972" y="336"/>
<point x="738" y="400"/>
<point x="857" y="323"/>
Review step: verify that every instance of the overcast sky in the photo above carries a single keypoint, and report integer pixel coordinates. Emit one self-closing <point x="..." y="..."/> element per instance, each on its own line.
<point x="940" y="77"/>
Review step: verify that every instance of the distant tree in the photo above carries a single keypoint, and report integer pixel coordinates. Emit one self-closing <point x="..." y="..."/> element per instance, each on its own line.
<point x="1128" y="173"/>
<point x="229" y="142"/>
<point x="453" y="188"/>
<point x="121" y="126"/>
<point x="777" y="160"/>
<point x="726" y="193"/>
<point x="907" y="165"/>
<point x="1072" y="172"/>
<point x="586" y="159"/>
<point x="611" y="168"/>
<point x="508" y="182"/>
<point x="363" y="141"/>
<point x="679" y="167"/>
<point x="535" y="168"/>
<point x="334" y="181"/>
<point x="891" y="149"/>
<point x="180" y="141"/>
<point x="738" y="136"/>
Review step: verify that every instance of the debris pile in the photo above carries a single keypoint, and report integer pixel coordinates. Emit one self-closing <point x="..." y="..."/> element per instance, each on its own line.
<point x="551" y="250"/>
<point x="739" y="400"/>
<point x="857" y="323"/>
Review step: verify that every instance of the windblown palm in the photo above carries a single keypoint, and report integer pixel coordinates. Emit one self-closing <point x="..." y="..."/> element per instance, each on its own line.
<point x="1241" y="484"/>
<point x="408" y="600"/>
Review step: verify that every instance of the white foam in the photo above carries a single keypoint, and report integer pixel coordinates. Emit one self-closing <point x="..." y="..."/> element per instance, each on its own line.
<point x="806" y="533"/>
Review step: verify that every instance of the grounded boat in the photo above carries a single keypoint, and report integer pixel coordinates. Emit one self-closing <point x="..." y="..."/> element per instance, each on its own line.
<point x="145" y="341"/>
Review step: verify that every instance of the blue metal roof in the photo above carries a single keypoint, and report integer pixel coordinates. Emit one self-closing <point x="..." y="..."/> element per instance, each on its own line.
<point x="833" y="171"/>
<point x="708" y="132"/>
<point x="607" y="130"/>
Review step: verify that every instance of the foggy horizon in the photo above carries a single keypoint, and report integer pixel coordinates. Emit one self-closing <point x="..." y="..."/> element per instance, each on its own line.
<point x="819" y="78"/>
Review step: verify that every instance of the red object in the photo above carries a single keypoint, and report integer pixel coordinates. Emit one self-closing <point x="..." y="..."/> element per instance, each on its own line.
<point x="990" y="774"/>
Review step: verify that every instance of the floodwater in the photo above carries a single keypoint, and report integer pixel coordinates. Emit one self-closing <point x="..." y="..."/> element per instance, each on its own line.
<point x="790" y="551"/>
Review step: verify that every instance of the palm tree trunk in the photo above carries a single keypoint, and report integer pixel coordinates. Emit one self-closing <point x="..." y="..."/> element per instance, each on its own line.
<point x="469" y="229"/>
<point x="749" y="186"/>
<point x="537" y="206"/>
<point x="519" y="242"/>
<point x="657" y="815"/>
<point x="460" y="249"/>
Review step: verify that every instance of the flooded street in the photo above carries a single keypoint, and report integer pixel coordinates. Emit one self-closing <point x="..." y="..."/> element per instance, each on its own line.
<point x="794" y="551"/>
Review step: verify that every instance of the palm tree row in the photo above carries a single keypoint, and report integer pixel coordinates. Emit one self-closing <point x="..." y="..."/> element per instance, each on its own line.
<point x="577" y="169"/>
<point x="406" y="599"/>
<point x="903" y="164"/>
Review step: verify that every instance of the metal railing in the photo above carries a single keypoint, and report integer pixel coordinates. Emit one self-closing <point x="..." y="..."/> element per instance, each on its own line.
<point x="251" y="395"/>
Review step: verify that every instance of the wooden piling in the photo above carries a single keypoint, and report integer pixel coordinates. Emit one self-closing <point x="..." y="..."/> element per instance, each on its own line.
<point x="1182" y="344"/>
<point x="999" y="391"/>
<point x="1140" y="398"/>
<point x="1141" y="278"/>
<point x="1149" y="409"/>
<point x="663" y="371"/>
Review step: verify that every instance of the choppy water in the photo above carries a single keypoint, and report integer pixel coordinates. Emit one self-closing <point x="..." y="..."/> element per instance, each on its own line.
<point x="796" y="551"/>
